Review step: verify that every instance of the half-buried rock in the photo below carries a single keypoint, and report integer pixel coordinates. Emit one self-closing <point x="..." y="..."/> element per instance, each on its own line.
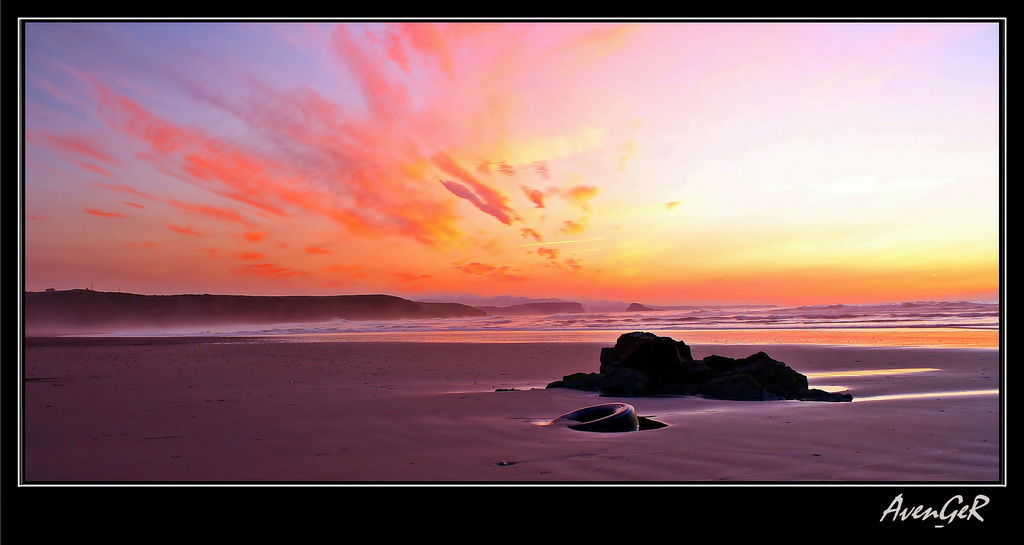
<point x="609" y="417"/>
<point x="645" y="364"/>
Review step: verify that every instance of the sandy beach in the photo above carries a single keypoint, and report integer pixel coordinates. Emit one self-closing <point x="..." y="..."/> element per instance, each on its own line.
<point x="244" y="410"/>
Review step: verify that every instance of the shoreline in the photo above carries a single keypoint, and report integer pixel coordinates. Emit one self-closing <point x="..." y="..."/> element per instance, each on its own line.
<point x="880" y="337"/>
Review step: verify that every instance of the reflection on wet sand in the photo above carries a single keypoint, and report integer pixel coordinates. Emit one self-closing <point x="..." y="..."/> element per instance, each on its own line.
<point x="871" y="372"/>
<point x="927" y="394"/>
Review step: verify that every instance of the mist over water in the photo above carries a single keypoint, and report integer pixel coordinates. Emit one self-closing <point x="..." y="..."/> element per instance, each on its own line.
<point x="593" y="325"/>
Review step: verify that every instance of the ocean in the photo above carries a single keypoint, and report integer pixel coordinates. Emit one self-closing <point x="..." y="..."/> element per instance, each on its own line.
<point x="919" y="323"/>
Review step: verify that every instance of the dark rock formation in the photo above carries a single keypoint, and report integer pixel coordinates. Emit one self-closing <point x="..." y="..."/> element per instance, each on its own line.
<point x="637" y="307"/>
<point x="645" y="364"/>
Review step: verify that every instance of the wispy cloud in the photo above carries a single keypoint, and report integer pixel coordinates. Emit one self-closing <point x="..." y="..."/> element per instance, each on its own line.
<point x="184" y="230"/>
<point x="485" y="198"/>
<point x="580" y="195"/>
<point x="250" y="256"/>
<point x="549" y="243"/>
<point x="573" y="227"/>
<point x="530" y="233"/>
<point x="535" y="196"/>
<point x="103" y="213"/>
<point x="549" y="253"/>
<point x="76" y="145"/>
<point x="315" y="249"/>
<point x="486" y="269"/>
<point x="269" y="270"/>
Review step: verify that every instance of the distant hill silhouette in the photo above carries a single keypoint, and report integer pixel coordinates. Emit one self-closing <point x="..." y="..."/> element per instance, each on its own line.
<point x="637" y="307"/>
<point x="533" y="308"/>
<point x="87" y="311"/>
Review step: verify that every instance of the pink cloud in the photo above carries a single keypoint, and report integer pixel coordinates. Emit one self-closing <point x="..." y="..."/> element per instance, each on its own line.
<point x="542" y="169"/>
<point x="184" y="230"/>
<point x="215" y="212"/>
<point x="481" y="195"/>
<point x="103" y="214"/>
<point x="124" y="188"/>
<point x="77" y="145"/>
<point x="369" y="176"/>
<point x="95" y="168"/>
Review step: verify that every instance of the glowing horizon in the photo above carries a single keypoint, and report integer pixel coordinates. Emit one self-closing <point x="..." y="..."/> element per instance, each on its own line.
<point x="672" y="163"/>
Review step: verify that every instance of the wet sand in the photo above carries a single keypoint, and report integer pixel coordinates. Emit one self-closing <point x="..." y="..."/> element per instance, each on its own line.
<point x="235" y="410"/>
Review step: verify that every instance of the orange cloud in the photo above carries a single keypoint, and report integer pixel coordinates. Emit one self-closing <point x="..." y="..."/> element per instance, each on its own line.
<point x="485" y="269"/>
<point x="222" y="214"/>
<point x="316" y="250"/>
<point x="573" y="227"/>
<point x="550" y="253"/>
<point x="359" y="178"/>
<point x="535" y="196"/>
<point x="133" y="204"/>
<point x="411" y="277"/>
<point x="253" y="236"/>
<point x="528" y="233"/>
<point x="103" y="214"/>
<point x="184" y="230"/>
<point x="671" y="205"/>
<point x="250" y="256"/>
<point x="580" y="195"/>
<point x="269" y="270"/>
<point x="214" y="212"/>
<point x="356" y="271"/>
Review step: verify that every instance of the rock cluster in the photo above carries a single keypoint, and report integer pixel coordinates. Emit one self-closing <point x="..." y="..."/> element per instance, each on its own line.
<point x="643" y="364"/>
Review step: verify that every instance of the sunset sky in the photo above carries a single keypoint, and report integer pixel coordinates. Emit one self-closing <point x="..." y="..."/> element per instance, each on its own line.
<point x="673" y="163"/>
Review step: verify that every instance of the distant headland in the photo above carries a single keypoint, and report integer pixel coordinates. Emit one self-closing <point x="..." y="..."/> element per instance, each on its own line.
<point x="80" y="311"/>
